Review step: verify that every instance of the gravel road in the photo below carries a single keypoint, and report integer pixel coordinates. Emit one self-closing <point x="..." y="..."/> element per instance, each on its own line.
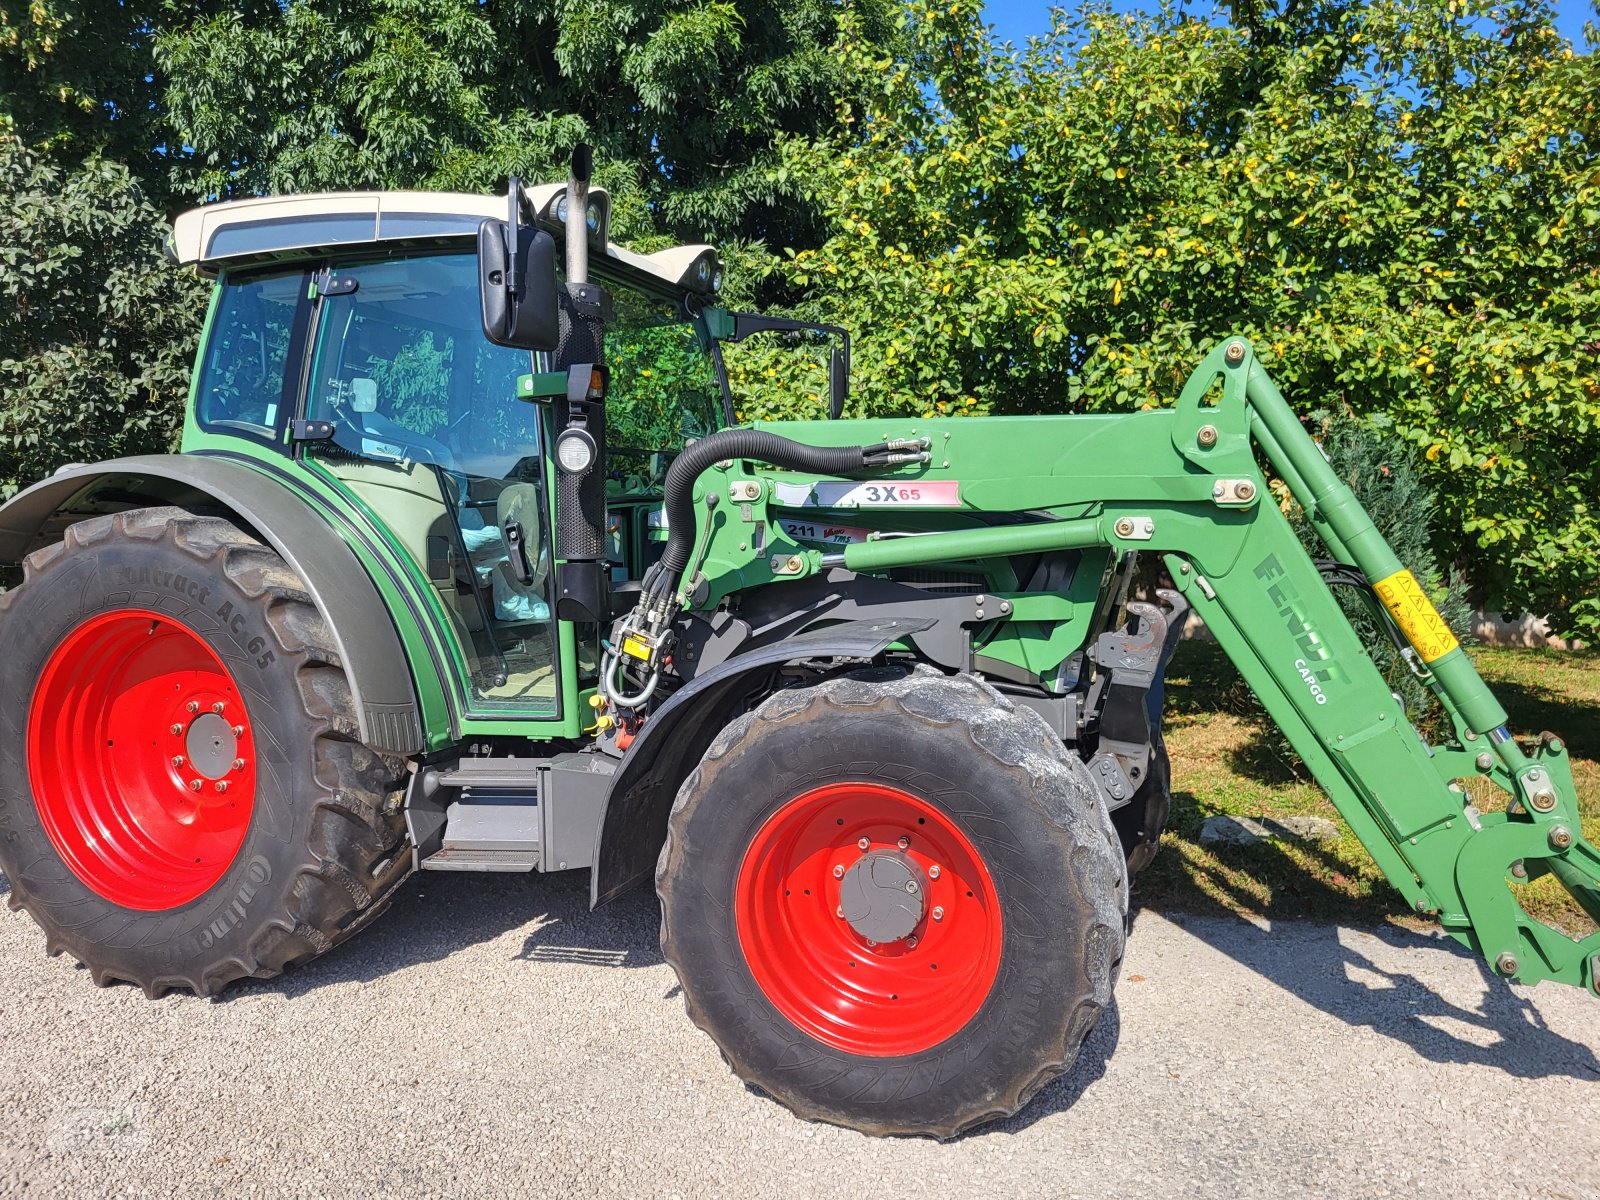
<point x="491" y="1036"/>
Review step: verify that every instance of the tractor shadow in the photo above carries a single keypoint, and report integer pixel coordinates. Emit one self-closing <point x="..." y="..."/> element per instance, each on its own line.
<point x="1502" y="1029"/>
<point x="436" y="915"/>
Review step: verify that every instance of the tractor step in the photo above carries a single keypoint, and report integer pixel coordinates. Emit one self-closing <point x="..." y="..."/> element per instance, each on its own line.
<point x="509" y="814"/>
<point x="490" y="832"/>
<point x="457" y="859"/>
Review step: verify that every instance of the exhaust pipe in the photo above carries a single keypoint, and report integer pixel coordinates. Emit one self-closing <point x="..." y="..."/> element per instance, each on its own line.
<point x="581" y="581"/>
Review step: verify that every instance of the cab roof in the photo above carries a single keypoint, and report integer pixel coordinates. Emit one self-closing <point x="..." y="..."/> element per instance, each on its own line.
<point x="273" y="227"/>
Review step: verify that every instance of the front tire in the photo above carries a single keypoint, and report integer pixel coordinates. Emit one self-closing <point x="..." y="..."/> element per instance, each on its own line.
<point x="183" y="798"/>
<point x="894" y="901"/>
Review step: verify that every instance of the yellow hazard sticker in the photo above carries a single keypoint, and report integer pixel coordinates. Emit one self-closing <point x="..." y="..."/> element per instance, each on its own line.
<point x="637" y="647"/>
<point x="1418" y="619"/>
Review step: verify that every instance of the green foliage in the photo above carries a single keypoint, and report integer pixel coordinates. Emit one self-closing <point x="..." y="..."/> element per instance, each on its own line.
<point x="1397" y="202"/>
<point x="78" y="79"/>
<point x="97" y="330"/>
<point x="683" y="99"/>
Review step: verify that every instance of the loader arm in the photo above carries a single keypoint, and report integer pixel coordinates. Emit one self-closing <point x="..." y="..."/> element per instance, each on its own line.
<point x="1187" y="482"/>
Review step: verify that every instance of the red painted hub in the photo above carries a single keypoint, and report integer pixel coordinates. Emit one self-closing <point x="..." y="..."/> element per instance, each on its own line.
<point x="141" y="759"/>
<point x="880" y="999"/>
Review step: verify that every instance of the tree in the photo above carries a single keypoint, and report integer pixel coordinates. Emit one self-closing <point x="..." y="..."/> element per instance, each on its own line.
<point x="683" y="99"/>
<point x="97" y="329"/>
<point x="77" y="79"/>
<point x="1404" y="221"/>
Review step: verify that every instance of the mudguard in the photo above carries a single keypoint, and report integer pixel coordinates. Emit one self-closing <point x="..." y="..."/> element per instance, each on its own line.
<point x="370" y="649"/>
<point x="633" y="820"/>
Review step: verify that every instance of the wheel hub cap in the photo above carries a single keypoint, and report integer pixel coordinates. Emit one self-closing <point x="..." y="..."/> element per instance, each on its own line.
<point x="212" y="746"/>
<point x="883" y="896"/>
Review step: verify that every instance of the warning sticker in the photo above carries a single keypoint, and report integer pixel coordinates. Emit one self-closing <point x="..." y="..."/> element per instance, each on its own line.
<point x="1418" y="619"/>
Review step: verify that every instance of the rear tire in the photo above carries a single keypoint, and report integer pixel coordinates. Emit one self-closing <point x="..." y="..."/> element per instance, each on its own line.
<point x="183" y="798"/>
<point x="794" y="947"/>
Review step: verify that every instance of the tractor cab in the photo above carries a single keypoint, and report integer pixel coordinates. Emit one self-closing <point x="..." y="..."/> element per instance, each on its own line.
<point x="345" y="352"/>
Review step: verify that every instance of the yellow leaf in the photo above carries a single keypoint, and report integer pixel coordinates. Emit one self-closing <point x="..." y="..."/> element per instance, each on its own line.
<point x="1116" y="292"/>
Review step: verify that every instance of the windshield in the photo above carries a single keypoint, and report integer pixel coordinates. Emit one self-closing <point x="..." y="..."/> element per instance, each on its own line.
<point x="402" y="371"/>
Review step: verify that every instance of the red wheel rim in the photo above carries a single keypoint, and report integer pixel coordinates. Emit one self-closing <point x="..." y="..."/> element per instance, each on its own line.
<point x="888" y="998"/>
<point x="140" y="757"/>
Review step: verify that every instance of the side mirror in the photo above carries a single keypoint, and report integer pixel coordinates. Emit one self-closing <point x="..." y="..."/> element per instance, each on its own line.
<point x="517" y="286"/>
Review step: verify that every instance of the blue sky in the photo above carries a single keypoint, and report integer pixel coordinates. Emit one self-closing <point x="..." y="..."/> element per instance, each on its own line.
<point x="1017" y="20"/>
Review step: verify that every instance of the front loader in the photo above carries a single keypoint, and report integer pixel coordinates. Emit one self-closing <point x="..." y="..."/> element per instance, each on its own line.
<point x="466" y="565"/>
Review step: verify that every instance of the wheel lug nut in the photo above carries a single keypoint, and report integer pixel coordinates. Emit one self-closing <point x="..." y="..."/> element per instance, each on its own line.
<point x="904" y="843"/>
<point x="218" y="707"/>
<point x="177" y="760"/>
<point x="193" y="706"/>
<point x="839" y="912"/>
<point x="222" y="785"/>
<point x="194" y="785"/>
<point x="911" y="942"/>
<point x="838" y="872"/>
<point x="933" y="871"/>
<point x="938" y="913"/>
<point x="863" y="844"/>
<point x="238" y="764"/>
<point x="176" y="730"/>
<point x="238" y="731"/>
<point x="911" y="885"/>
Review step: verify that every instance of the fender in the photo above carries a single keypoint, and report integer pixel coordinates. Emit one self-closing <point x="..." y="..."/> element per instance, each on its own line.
<point x="633" y="819"/>
<point x="370" y="649"/>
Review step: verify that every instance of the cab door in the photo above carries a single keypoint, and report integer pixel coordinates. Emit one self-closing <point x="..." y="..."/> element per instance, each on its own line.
<point x="416" y="415"/>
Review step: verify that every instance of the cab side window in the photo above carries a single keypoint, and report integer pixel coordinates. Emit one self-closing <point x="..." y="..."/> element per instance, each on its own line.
<point x="241" y="385"/>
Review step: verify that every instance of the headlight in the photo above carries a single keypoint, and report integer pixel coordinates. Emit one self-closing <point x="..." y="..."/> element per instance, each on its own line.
<point x="575" y="451"/>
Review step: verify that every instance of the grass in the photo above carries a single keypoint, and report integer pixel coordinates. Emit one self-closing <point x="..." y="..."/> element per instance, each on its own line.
<point x="1227" y="757"/>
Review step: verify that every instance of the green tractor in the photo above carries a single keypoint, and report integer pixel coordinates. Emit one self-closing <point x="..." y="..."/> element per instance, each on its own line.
<point x="466" y="565"/>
